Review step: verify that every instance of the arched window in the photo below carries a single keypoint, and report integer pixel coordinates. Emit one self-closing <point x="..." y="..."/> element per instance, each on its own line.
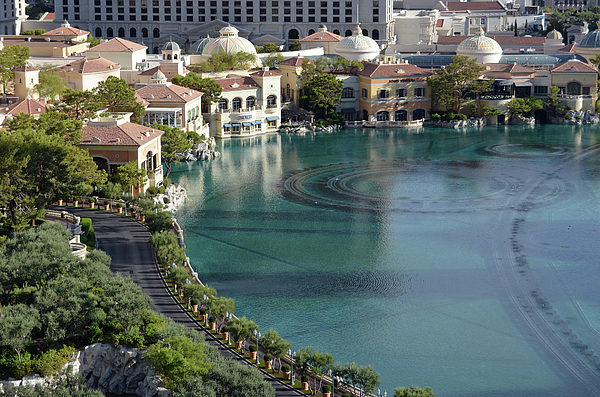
<point x="149" y="157"/>
<point x="189" y="116"/>
<point x="156" y="33"/>
<point x="375" y="34"/>
<point x="121" y="32"/>
<point x="311" y="31"/>
<point x="418" y="114"/>
<point x="174" y="56"/>
<point x="365" y="32"/>
<point x="144" y="32"/>
<point x="348" y="33"/>
<point x="193" y="113"/>
<point x="574" y="88"/>
<point x="197" y="111"/>
<point x="336" y="32"/>
<point x="98" y="32"/>
<point x="250" y="102"/>
<point x="236" y="104"/>
<point x="109" y="33"/>
<point x="132" y="32"/>
<point x="222" y="104"/>
<point x="288" y="90"/>
<point x="401" y="115"/>
<point x="383" y="115"/>
<point x="271" y="101"/>
<point x="348" y="92"/>
<point x="293" y="34"/>
<point x="168" y="57"/>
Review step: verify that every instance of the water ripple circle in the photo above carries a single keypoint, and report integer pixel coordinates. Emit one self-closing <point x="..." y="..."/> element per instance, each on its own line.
<point x="519" y="150"/>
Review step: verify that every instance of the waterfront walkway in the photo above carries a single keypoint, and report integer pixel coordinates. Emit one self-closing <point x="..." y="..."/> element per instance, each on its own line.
<point x="127" y="243"/>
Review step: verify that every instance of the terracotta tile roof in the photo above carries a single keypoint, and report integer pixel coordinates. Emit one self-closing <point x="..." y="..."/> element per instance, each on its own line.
<point x="28" y="105"/>
<point x="141" y="100"/>
<point x="233" y="83"/>
<point x="296" y="61"/>
<point x="62" y="31"/>
<point x="26" y="68"/>
<point x="89" y="65"/>
<point x="502" y="40"/>
<point x="126" y="134"/>
<point x="117" y="45"/>
<point x="49" y="17"/>
<point x="167" y="93"/>
<point x="265" y="73"/>
<point x="457" y="6"/>
<point x="574" y="66"/>
<point x="150" y="72"/>
<point x="323" y="37"/>
<point x="392" y="70"/>
<point x="507" y="67"/>
<point x="568" y="48"/>
<point x="439" y="23"/>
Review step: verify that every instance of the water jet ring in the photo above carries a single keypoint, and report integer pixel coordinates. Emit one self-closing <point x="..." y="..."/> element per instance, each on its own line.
<point x="541" y="150"/>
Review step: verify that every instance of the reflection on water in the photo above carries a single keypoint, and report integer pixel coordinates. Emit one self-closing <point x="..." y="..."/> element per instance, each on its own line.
<point x="460" y="260"/>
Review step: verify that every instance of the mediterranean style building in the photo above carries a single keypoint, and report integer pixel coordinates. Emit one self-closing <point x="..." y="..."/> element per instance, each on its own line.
<point x="152" y="21"/>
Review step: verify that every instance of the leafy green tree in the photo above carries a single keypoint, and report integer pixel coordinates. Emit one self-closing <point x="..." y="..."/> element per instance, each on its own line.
<point x="173" y="143"/>
<point x="324" y="93"/>
<point x="210" y="88"/>
<point x="552" y="100"/>
<point x="230" y="378"/>
<point x="524" y="106"/>
<point x="311" y="69"/>
<point x="130" y="175"/>
<point x="275" y="345"/>
<point x="368" y="379"/>
<point x="413" y="391"/>
<point x="295" y="46"/>
<point x="115" y="94"/>
<point x="34" y="32"/>
<point x="222" y="61"/>
<point x="273" y="59"/>
<point x="167" y="248"/>
<point x="198" y="291"/>
<point x="460" y="78"/>
<point x="219" y="307"/>
<point x="77" y="104"/>
<point x="50" y="85"/>
<point x="242" y="329"/>
<point x="17" y="322"/>
<point x="193" y="387"/>
<point x="36" y="10"/>
<point x="178" y="275"/>
<point x="68" y="385"/>
<point x="268" y="48"/>
<point x="12" y="57"/>
<point x="94" y="41"/>
<point x="177" y="359"/>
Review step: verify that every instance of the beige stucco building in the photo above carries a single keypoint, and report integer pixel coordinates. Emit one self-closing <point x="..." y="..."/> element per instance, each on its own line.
<point x="86" y="73"/>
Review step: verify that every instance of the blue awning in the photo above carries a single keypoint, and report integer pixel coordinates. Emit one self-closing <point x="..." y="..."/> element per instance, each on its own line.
<point x="272" y="118"/>
<point x="235" y="124"/>
<point x="349" y="110"/>
<point x="257" y="122"/>
<point x="246" y="124"/>
<point x="227" y="125"/>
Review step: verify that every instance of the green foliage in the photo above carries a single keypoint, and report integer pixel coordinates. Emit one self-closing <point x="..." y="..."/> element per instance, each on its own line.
<point x="353" y="375"/>
<point x="16" y="325"/>
<point x="11" y="57"/>
<point x="34" y="32"/>
<point x="177" y="359"/>
<point x="152" y="191"/>
<point x="86" y="224"/>
<point x="286" y="368"/>
<point x="222" y="61"/>
<point x="179" y="274"/>
<point x="524" y="106"/>
<point x="273" y="59"/>
<point x="77" y="104"/>
<point x="489" y="111"/>
<point x="219" y="307"/>
<point x="167" y="248"/>
<point x="268" y="48"/>
<point x="413" y="391"/>
<point x="52" y="361"/>
<point x="210" y="88"/>
<point x="460" y="78"/>
<point x="130" y="175"/>
<point x="253" y="348"/>
<point x="173" y="143"/>
<point x="568" y="117"/>
<point x="242" y="328"/>
<point x="324" y="93"/>
<point x="94" y="41"/>
<point x="112" y="190"/>
<point x="50" y="85"/>
<point x="295" y="46"/>
<point x="326" y="388"/>
<point x="274" y="344"/>
<point x="158" y="220"/>
<point x="115" y="94"/>
<point x="70" y="385"/>
<point x="435" y="117"/>
<point x="37" y="10"/>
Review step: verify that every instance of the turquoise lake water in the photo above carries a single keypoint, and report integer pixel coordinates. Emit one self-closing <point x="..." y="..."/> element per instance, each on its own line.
<point x="467" y="261"/>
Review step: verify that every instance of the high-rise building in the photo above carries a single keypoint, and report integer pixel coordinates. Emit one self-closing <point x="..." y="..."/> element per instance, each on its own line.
<point x="11" y="16"/>
<point x="152" y="21"/>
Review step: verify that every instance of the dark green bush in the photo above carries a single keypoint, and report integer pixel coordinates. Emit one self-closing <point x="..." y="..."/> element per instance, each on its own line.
<point x="253" y="348"/>
<point x="286" y="368"/>
<point x="166" y="182"/>
<point x="86" y="224"/>
<point x="225" y="329"/>
<point x="326" y="388"/>
<point x="52" y="361"/>
<point x="161" y="189"/>
<point x="106" y="202"/>
<point x="166" y="200"/>
<point x="194" y="301"/>
<point x="460" y="117"/>
<point x="268" y="357"/>
<point x="152" y="191"/>
<point x="119" y="205"/>
<point x="435" y="117"/>
<point x="304" y="378"/>
<point x="568" y="117"/>
<point x="92" y="200"/>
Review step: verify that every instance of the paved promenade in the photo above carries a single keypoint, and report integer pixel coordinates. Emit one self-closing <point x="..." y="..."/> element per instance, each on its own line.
<point x="126" y="241"/>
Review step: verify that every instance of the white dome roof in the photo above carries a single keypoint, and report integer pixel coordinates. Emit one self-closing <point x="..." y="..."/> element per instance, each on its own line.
<point x="158" y="75"/>
<point x="357" y="46"/>
<point x="484" y="49"/>
<point x="229" y="42"/>
<point x="554" y="35"/>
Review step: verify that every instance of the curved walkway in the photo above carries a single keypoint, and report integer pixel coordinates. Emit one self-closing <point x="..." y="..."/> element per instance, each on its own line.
<point x="126" y="241"/>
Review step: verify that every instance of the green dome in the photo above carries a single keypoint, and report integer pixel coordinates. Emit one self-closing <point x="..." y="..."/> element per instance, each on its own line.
<point x="590" y="40"/>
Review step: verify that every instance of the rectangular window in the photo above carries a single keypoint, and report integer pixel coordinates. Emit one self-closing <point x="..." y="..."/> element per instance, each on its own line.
<point x="155" y="18"/>
<point x="249" y="11"/>
<point x="274" y="19"/>
<point x="132" y="10"/>
<point x="190" y="18"/>
<point x="120" y="10"/>
<point x="263" y="18"/>
<point x="213" y="3"/>
<point x="108" y="2"/>
<point x="237" y="3"/>
<point x="238" y="19"/>
<point x="121" y="17"/>
<point x="336" y="11"/>
<point x="263" y="3"/>
<point x="375" y="11"/>
<point x="375" y="19"/>
<point x="311" y="11"/>
<point x="585" y="90"/>
<point x="263" y="11"/>
<point x="249" y="19"/>
<point x="132" y="3"/>
<point x="109" y="17"/>
<point x="336" y="3"/>
<point x="225" y="4"/>
<point x="98" y="18"/>
<point x="97" y="2"/>
<point x="189" y="11"/>
<point x="287" y="19"/>
<point x="383" y="94"/>
<point x="155" y="10"/>
<point x="65" y="9"/>
<point x="109" y="10"/>
<point x="225" y="18"/>
<point x="76" y="2"/>
<point x="189" y="3"/>
<point x="401" y="92"/>
<point x="311" y="19"/>
<point x="167" y="10"/>
<point x="213" y="11"/>
<point x="375" y="3"/>
<point x="249" y="4"/>
<point x="323" y="11"/>
<point x="98" y="10"/>
<point x="336" y="19"/>
<point x="299" y="19"/>
<point x="65" y="2"/>
<point x="420" y="92"/>
<point x="299" y="11"/>
<point x="167" y="3"/>
<point x="323" y="19"/>
<point x="348" y="12"/>
<point x="144" y="10"/>
<point x="287" y="11"/>
<point x="226" y="11"/>
<point x="144" y="17"/>
<point x="364" y="93"/>
<point x="178" y="18"/>
<point x="287" y="3"/>
<point x="237" y="11"/>
<point x="178" y="11"/>
<point x="201" y="19"/>
<point x="201" y="11"/>
<point x="323" y="4"/>
<point x="275" y="11"/>
<point x="348" y="4"/>
<point x="540" y="90"/>
<point x="275" y="3"/>
<point x="311" y="3"/>
<point x="77" y="17"/>
<point x="201" y="4"/>
<point x="132" y="18"/>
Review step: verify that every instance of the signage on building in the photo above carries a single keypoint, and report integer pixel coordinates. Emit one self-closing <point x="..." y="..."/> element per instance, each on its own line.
<point x="245" y="116"/>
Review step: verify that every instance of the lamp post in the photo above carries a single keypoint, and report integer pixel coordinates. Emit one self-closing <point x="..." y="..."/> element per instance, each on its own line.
<point x="378" y="393"/>
<point x="292" y="356"/>
<point x="228" y="317"/>
<point x="257" y="335"/>
<point x="330" y="374"/>
<point x="204" y="299"/>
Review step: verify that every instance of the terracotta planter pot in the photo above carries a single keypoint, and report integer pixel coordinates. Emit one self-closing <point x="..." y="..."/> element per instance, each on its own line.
<point x="225" y="336"/>
<point x="119" y="210"/>
<point x="304" y="385"/>
<point x="253" y="355"/>
<point x="212" y="326"/>
<point x="143" y="218"/>
<point x="326" y="394"/>
<point x="286" y="375"/>
<point x="75" y="203"/>
<point x="238" y="345"/>
<point x="202" y="317"/>
<point x="268" y="364"/>
<point x="60" y="203"/>
<point x="195" y="308"/>
<point x="181" y="292"/>
<point x="107" y="208"/>
<point x="92" y="205"/>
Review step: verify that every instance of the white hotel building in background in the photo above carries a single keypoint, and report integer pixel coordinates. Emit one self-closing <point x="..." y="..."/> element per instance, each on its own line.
<point x="152" y="21"/>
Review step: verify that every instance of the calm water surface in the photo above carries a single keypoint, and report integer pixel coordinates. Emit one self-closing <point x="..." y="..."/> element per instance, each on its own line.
<point x="462" y="260"/>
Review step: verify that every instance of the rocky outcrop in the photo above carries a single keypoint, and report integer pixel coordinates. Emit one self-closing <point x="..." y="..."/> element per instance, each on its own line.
<point x="471" y="122"/>
<point x="577" y="117"/>
<point x="202" y="151"/>
<point x="520" y="120"/>
<point x="175" y="195"/>
<point x="118" y="371"/>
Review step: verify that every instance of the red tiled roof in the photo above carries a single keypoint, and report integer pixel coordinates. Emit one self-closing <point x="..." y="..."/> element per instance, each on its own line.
<point x="89" y="65"/>
<point x="507" y="67"/>
<point x="323" y="37"/>
<point x="126" y="134"/>
<point x="392" y="70"/>
<point x="458" y="6"/>
<point x="62" y="31"/>
<point x="168" y="93"/>
<point x="141" y="100"/>
<point x="296" y="61"/>
<point x="574" y="66"/>
<point x="568" y="48"/>
<point x="502" y="40"/>
<point x="265" y="73"/>
<point x="117" y="45"/>
<point x="26" y="68"/>
<point x="439" y="23"/>
<point x="49" y="16"/>
<point x="233" y="83"/>
<point x="28" y="105"/>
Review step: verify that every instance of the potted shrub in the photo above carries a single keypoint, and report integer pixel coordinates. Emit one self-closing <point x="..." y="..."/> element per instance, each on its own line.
<point x="326" y="390"/>
<point x="253" y="349"/>
<point x="194" y="303"/>
<point x="285" y="368"/>
<point x="203" y="314"/>
<point x="119" y="208"/>
<point x="212" y="324"/>
<point x="225" y="332"/>
<point x="92" y="202"/>
<point x="60" y="202"/>
<point x="304" y="380"/>
<point x="106" y="205"/>
<point x="268" y="361"/>
<point x="75" y="202"/>
<point x="133" y="212"/>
